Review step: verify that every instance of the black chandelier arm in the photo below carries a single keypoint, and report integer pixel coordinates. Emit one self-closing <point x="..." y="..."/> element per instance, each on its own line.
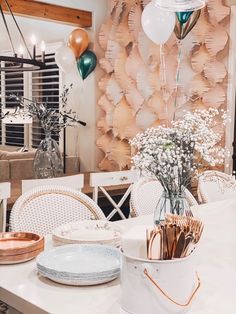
<point x="21" y="64"/>
<point x="8" y="32"/>
<point x="14" y="19"/>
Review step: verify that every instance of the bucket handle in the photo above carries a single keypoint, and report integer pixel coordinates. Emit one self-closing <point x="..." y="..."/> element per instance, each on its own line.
<point x="167" y="296"/>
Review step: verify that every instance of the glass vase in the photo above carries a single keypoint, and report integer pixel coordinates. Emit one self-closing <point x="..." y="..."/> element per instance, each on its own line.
<point x="48" y="160"/>
<point x="170" y="203"/>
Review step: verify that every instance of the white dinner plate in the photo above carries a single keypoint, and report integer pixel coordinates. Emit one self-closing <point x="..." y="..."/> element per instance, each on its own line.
<point x="87" y="231"/>
<point x="80" y="264"/>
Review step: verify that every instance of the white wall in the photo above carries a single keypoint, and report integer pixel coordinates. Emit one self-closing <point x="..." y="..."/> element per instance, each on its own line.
<point x="84" y="97"/>
<point x="229" y="136"/>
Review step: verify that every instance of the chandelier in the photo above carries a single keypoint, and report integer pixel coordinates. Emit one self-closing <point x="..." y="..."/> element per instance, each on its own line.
<point x="180" y="5"/>
<point x="18" y="62"/>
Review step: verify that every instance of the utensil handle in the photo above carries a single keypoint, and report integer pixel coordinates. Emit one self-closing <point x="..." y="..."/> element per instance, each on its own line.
<point x="167" y="296"/>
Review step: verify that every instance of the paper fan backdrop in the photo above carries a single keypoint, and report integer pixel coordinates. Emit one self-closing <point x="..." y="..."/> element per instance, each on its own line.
<point x="214" y="46"/>
<point x="120" y="153"/>
<point x="140" y="87"/>
<point x="104" y="142"/>
<point x="202" y="28"/>
<point x="145" y="118"/>
<point x="103" y="126"/>
<point x="198" y="86"/>
<point x="113" y="91"/>
<point x="143" y="83"/>
<point x="215" y="71"/>
<point x="200" y="57"/>
<point x="106" y="65"/>
<point x="108" y="165"/>
<point x="217" y="10"/>
<point x="104" y="34"/>
<point x="134" y="21"/>
<point x="134" y="63"/>
<point x="215" y="97"/>
<point x="122" y="117"/>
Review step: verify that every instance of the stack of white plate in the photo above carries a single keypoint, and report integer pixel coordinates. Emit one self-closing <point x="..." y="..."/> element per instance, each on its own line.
<point x="87" y="231"/>
<point x="80" y="264"/>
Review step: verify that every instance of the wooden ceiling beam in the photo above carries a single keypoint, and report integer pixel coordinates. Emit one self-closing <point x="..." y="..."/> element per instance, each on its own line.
<point x="49" y="12"/>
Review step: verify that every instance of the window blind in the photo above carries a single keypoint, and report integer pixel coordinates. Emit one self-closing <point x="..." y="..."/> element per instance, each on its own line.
<point x="13" y="84"/>
<point x="42" y="86"/>
<point x="45" y="88"/>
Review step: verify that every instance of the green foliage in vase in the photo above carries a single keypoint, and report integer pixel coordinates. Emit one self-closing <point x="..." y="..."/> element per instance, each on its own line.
<point x="51" y="120"/>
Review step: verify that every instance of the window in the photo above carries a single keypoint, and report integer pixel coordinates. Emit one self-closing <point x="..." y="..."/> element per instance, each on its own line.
<point x="13" y="84"/>
<point x="43" y="86"/>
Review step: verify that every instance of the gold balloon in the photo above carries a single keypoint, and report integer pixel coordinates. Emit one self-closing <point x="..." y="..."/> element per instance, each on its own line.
<point x="182" y="29"/>
<point x="78" y="41"/>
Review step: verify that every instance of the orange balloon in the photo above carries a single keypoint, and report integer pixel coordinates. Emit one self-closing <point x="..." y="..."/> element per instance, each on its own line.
<point x="78" y="41"/>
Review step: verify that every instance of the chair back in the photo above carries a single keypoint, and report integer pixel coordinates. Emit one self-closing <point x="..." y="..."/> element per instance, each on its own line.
<point x="216" y="186"/>
<point x="44" y="208"/>
<point x="5" y="193"/>
<point x="102" y="180"/>
<point x="145" y="195"/>
<point x="75" y="182"/>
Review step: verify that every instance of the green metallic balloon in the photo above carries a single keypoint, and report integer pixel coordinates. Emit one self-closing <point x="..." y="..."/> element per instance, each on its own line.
<point x="183" y="16"/>
<point x="86" y="63"/>
<point x="182" y="30"/>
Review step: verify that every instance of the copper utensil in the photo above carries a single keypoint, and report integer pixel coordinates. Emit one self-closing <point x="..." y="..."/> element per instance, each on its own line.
<point x="180" y="245"/>
<point x="188" y="240"/>
<point x="17" y="247"/>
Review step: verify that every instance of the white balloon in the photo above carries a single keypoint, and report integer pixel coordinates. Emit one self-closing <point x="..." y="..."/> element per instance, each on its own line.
<point x="157" y="24"/>
<point x="65" y="59"/>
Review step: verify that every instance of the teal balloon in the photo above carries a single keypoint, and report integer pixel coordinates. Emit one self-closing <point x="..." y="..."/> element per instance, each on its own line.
<point x="183" y="16"/>
<point x="86" y="63"/>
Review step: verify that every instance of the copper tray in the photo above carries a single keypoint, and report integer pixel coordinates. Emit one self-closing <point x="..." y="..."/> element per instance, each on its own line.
<point x="17" y="247"/>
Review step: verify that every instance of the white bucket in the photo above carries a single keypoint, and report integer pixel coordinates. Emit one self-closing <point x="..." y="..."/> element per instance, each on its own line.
<point x="158" y="287"/>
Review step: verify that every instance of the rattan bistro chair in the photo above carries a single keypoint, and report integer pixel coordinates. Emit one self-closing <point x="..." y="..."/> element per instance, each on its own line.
<point x="215" y="186"/>
<point x="42" y="209"/>
<point x="145" y="195"/>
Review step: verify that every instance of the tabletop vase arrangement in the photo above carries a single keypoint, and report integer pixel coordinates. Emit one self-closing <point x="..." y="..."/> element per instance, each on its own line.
<point x="173" y="155"/>
<point x="48" y="158"/>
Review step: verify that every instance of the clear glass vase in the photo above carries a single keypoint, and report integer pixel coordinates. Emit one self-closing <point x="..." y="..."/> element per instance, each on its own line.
<point x="170" y="203"/>
<point x="48" y="160"/>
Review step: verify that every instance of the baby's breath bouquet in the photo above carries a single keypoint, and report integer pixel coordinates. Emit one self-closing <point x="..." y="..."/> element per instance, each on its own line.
<point x="174" y="154"/>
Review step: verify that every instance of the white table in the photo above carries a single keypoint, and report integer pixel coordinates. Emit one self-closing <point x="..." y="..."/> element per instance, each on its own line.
<point x="22" y="288"/>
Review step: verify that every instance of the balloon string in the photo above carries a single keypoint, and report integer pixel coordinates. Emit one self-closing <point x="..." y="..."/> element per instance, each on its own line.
<point x="163" y="73"/>
<point x="177" y="78"/>
<point x="163" y="79"/>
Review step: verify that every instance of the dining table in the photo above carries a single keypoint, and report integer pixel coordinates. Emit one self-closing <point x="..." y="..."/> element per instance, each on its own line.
<point x="25" y="290"/>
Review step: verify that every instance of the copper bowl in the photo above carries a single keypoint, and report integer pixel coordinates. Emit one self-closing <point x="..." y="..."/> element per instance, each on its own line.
<point x="17" y="247"/>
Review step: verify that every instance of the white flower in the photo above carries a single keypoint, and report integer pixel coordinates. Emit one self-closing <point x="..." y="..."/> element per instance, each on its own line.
<point x="172" y="154"/>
